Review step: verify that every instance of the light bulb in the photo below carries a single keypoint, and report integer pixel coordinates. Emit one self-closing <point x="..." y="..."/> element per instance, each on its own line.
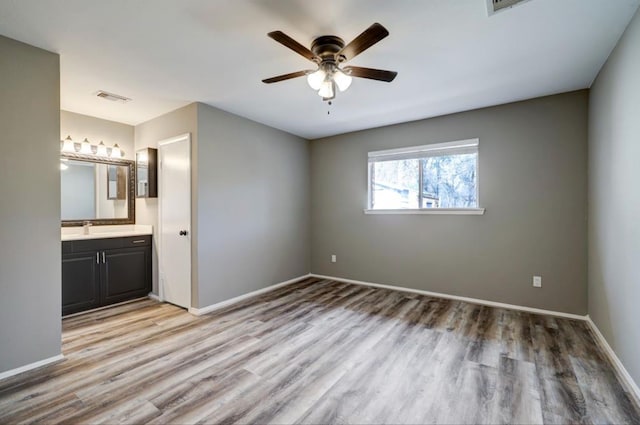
<point x="68" y="145"/>
<point x="115" y="151"/>
<point x="343" y="81"/>
<point x="315" y="79"/>
<point x="326" y="90"/>
<point x="85" y="147"/>
<point x="102" y="149"/>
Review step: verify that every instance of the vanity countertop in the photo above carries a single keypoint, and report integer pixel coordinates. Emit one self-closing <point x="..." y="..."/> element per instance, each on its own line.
<point x="102" y="232"/>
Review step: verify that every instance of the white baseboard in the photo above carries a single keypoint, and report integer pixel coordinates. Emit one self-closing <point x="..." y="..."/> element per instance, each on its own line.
<point x="222" y="304"/>
<point x="456" y="298"/>
<point x="31" y="366"/>
<point x="624" y="376"/>
<point x="154" y="297"/>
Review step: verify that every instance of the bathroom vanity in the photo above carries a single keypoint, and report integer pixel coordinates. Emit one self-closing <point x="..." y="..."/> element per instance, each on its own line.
<point x="105" y="267"/>
<point x="106" y="258"/>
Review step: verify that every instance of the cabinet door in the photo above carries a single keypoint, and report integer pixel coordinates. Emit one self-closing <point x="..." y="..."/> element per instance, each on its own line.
<point x="126" y="274"/>
<point x="80" y="282"/>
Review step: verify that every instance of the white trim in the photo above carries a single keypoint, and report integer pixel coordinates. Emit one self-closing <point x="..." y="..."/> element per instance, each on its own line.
<point x="183" y="137"/>
<point x="426" y="148"/>
<point x="432" y="211"/>
<point x="213" y="307"/>
<point x="154" y="297"/>
<point x="623" y="375"/>
<point x="457" y="298"/>
<point x="31" y="366"/>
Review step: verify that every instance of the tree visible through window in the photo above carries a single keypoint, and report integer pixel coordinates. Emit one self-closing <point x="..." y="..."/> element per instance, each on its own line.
<point x="432" y="176"/>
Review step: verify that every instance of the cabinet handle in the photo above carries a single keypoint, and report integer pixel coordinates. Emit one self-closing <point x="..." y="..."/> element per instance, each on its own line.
<point x="104" y="261"/>
<point x="97" y="258"/>
<point x="140" y="241"/>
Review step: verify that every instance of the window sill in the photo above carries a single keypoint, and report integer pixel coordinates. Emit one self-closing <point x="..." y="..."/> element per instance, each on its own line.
<point x="432" y="211"/>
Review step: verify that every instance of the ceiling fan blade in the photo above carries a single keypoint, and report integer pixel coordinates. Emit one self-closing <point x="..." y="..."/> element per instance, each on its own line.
<point x="370" y="73"/>
<point x="368" y="38"/>
<point x="284" y="77"/>
<point x="289" y="42"/>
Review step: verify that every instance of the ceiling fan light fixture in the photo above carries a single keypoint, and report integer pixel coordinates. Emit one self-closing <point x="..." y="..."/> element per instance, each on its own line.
<point x="343" y="81"/>
<point x="315" y="79"/>
<point x="328" y="52"/>
<point x="326" y="91"/>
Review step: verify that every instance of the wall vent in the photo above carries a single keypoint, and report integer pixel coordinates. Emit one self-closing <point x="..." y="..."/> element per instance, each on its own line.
<point x="494" y="6"/>
<point x="112" y="97"/>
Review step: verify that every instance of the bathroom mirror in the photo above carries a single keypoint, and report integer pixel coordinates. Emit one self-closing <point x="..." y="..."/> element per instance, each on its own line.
<point x="98" y="190"/>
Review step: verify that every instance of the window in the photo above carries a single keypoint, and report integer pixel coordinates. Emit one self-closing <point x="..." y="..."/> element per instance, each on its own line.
<point x="441" y="176"/>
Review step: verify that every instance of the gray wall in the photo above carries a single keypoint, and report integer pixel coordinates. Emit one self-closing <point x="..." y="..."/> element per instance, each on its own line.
<point x="532" y="182"/>
<point x="30" y="264"/>
<point x="79" y="126"/>
<point x="147" y="135"/>
<point x="614" y="199"/>
<point x="253" y="206"/>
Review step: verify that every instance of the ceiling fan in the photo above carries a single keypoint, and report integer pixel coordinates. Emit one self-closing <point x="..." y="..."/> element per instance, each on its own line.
<point x="329" y="52"/>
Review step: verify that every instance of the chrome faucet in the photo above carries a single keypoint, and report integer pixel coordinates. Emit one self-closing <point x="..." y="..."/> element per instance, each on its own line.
<point x="85" y="226"/>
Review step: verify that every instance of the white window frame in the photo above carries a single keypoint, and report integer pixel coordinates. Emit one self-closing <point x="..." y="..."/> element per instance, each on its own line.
<point x="415" y="152"/>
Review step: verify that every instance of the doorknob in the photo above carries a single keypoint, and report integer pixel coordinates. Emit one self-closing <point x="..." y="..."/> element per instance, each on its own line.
<point x="183" y="233"/>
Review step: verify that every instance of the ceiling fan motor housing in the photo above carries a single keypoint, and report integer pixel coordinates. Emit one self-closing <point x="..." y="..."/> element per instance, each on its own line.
<point x="327" y="47"/>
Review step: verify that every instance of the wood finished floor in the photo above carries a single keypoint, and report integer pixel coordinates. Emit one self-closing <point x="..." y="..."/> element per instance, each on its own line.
<point x="322" y="352"/>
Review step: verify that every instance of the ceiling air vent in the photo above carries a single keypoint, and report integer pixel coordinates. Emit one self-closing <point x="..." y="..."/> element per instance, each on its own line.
<point x="494" y="6"/>
<point x="112" y="97"/>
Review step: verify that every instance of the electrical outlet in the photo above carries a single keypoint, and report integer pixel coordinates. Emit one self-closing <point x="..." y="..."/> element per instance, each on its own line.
<point x="334" y="258"/>
<point x="537" y="281"/>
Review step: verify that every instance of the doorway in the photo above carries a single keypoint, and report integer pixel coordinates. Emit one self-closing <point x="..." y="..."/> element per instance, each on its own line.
<point x="174" y="220"/>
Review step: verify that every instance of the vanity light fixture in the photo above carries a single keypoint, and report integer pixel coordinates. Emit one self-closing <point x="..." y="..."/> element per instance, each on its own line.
<point x="102" y="149"/>
<point x="115" y="151"/>
<point x="86" y="148"/>
<point x="68" y="145"/>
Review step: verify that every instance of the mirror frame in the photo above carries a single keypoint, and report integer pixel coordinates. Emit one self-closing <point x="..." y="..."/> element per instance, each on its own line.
<point x="131" y="191"/>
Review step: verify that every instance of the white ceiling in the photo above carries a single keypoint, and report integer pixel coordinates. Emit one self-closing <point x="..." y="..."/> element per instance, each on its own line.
<point x="450" y="55"/>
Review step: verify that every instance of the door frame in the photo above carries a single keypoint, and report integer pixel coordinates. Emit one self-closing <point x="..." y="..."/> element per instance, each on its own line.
<point x="181" y="138"/>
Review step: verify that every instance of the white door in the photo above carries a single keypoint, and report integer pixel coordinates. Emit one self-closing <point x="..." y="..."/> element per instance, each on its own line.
<point x="174" y="198"/>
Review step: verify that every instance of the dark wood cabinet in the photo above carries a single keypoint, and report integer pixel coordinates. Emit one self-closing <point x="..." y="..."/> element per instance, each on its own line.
<point x="147" y="173"/>
<point x="126" y="274"/>
<point x="99" y="272"/>
<point x="80" y="282"/>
